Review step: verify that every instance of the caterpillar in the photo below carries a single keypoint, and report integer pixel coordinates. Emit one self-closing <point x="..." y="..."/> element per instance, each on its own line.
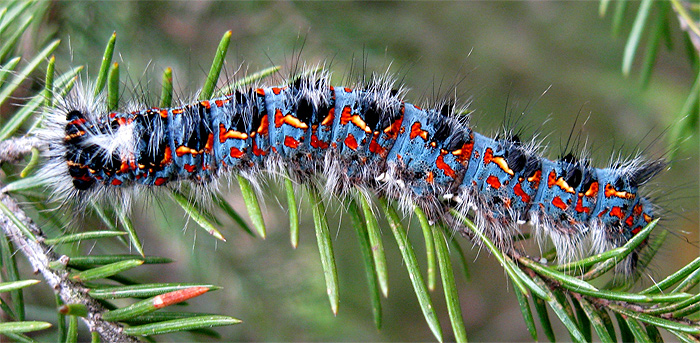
<point x="365" y="137"/>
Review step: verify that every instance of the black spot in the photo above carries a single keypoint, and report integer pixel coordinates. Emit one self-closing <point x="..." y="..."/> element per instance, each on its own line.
<point x="74" y="114"/>
<point x="573" y="175"/>
<point x="304" y="110"/>
<point x="516" y="159"/>
<point x="569" y="158"/>
<point x="442" y="129"/>
<point x="447" y="109"/>
<point x="373" y="117"/>
<point x="457" y="140"/>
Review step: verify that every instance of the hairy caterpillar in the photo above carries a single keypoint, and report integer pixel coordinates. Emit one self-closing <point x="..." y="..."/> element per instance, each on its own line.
<point x="365" y="137"/>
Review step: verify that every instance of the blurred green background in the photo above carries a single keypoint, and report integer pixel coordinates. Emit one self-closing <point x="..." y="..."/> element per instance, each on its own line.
<point x="499" y="56"/>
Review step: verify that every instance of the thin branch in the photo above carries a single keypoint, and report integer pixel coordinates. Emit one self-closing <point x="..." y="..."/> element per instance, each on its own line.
<point x="39" y="255"/>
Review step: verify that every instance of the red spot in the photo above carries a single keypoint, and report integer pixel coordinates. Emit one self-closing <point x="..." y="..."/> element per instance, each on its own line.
<point x="78" y="121"/>
<point x="579" y="206"/>
<point x="551" y="179"/>
<point x="124" y="167"/>
<point x="257" y="151"/>
<point x="260" y="91"/>
<point x="276" y="90"/>
<point x="557" y="202"/>
<point x="163" y="113"/>
<point x="112" y="115"/>
<point x="519" y="192"/>
<point x="636" y="230"/>
<point x="190" y="168"/>
<point x="291" y="142"/>
<point x="488" y="156"/>
<point x="440" y="162"/>
<point x="629" y="221"/>
<point x="160" y="181"/>
<point x="493" y="182"/>
<point x="350" y="142"/>
<point x="374" y="147"/>
<point x="393" y="130"/>
<point x="236" y="153"/>
<point x="616" y="211"/>
<point x="417" y="131"/>
<point x="348" y="90"/>
<point x="430" y="177"/>
<point x="115" y="182"/>
<point x="219" y="103"/>
<point x="205" y="104"/>
<point x="317" y="143"/>
<point x="178" y="111"/>
<point x="346" y="116"/>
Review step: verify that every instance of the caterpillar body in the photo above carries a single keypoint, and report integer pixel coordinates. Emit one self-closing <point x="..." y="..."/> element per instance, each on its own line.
<point x="366" y="137"/>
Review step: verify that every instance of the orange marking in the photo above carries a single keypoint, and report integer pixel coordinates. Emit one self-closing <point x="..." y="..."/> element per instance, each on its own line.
<point x="430" y="178"/>
<point x="637" y="210"/>
<point x="565" y="186"/>
<point x="611" y="191"/>
<point x="74" y="135"/>
<point x="236" y="153"/>
<point x="629" y="221"/>
<point x="291" y="142"/>
<point x="417" y="131"/>
<point x="289" y="120"/>
<point x="190" y="168"/>
<point x="440" y="163"/>
<point x="647" y="218"/>
<point x="163" y="113"/>
<point x="393" y="130"/>
<point x="167" y="156"/>
<point x="360" y="123"/>
<point x="328" y="120"/>
<point x="493" y="182"/>
<point x="219" y="103"/>
<point x="276" y="90"/>
<point x="182" y="150"/>
<point x="317" y="143"/>
<point x="503" y="164"/>
<point x="617" y="212"/>
<point x="636" y="230"/>
<point x="260" y="91"/>
<point x="178" y="111"/>
<point x="592" y="190"/>
<point x="224" y="135"/>
<point x="160" y="181"/>
<point x="334" y="145"/>
<point x="210" y="143"/>
<point x="112" y="115"/>
<point x="350" y="142"/>
<point x="124" y="167"/>
<point x="115" y="182"/>
<point x="519" y="192"/>
<point x="557" y="202"/>
<point x="205" y="104"/>
<point x="264" y="123"/>
<point x="348" y="90"/>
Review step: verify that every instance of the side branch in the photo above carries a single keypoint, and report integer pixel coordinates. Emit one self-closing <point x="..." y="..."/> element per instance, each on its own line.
<point x="39" y="255"/>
